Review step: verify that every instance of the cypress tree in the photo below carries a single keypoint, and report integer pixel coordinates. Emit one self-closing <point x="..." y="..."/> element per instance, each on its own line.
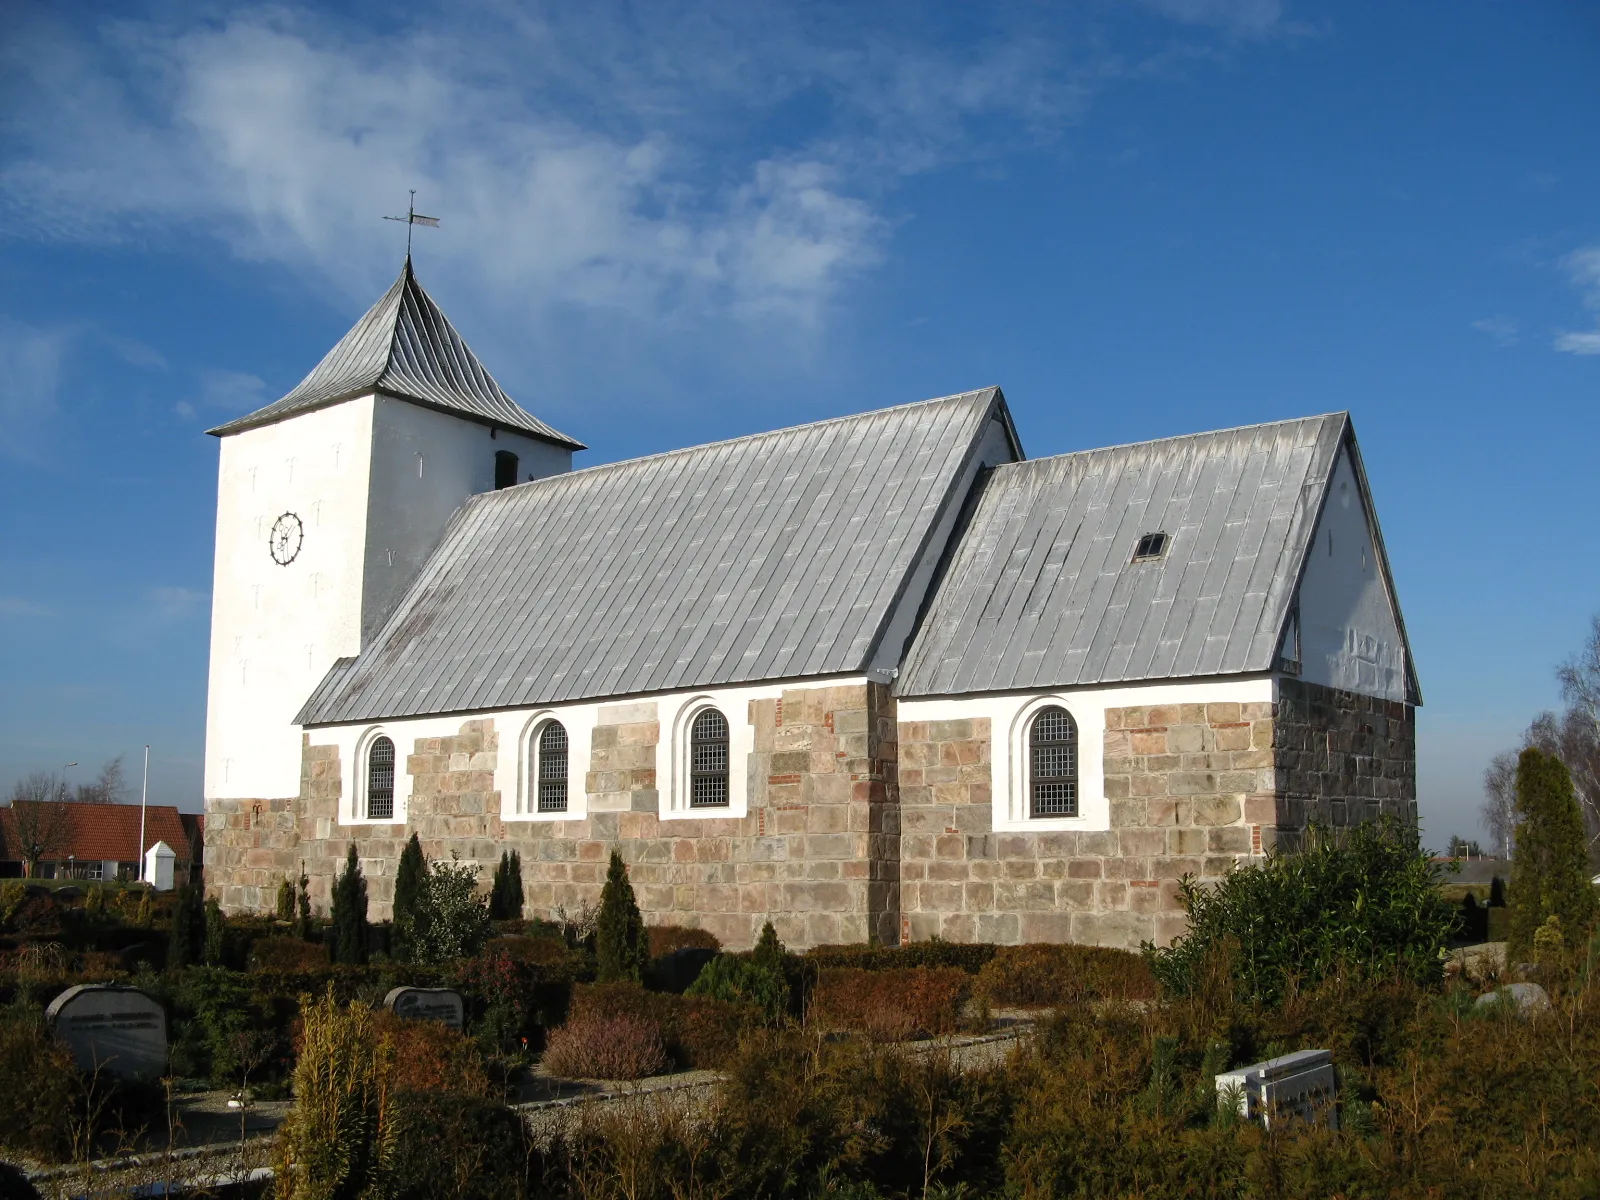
<point x="622" y="948"/>
<point x="505" y="898"/>
<point x="286" y="900"/>
<point x="303" y="924"/>
<point x="1549" y="869"/>
<point x="216" y="933"/>
<point x="187" y="937"/>
<point x="408" y="880"/>
<point x="350" y="913"/>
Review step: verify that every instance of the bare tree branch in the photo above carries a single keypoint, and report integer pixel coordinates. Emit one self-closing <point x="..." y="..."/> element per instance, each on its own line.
<point x="109" y="788"/>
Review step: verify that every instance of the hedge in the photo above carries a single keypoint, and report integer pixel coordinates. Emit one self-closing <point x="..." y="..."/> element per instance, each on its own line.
<point x="1046" y="976"/>
<point x="890" y="1005"/>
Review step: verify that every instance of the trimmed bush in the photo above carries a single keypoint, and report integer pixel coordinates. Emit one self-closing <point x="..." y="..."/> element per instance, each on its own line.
<point x="664" y="939"/>
<point x="429" y="1056"/>
<point x="596" y="1045"/>
<point x="287" y="954"/>
<point x="891" y="1005"/>
<point x="468" y="1148"/>
<point x="696" y="1031"/>
<point x="1045" y="976"/>
<point x="966" y="956"/>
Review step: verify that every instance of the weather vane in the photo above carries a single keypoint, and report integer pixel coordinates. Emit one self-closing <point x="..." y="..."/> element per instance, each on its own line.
<point x="413" y="217"/>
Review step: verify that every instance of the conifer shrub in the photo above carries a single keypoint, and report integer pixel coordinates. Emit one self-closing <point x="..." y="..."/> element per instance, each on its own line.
<point x="302" y="921"/>
<point x="621" y="945"/>
<point x="409" y="877"/>
<point x="1549" y="866"/>
<point x="350" y="913"/>
<point x="1361" y="901"/>
<point x="891" y="1005"/>
<point x="505" y="896"/>
<point x="1048" y="975"/>
<point x="186" y="939"/>
<point x="763" y="979"/>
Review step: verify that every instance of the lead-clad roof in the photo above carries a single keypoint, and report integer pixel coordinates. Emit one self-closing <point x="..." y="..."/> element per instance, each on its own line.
<point x="774" y="556"/>
<point x="405" y="346"/>
<point x="1042" y="590"/>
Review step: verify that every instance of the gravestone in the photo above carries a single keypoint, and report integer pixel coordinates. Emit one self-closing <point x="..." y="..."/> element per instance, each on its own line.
<point x="427" y="1004"/>
<point x="1295" y="1087"/>
<point x="1521" y="998"/>
<point x="117" y="1029"/>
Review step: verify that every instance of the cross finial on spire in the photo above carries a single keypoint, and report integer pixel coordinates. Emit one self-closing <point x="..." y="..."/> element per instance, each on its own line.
<point x="413" y="217"/>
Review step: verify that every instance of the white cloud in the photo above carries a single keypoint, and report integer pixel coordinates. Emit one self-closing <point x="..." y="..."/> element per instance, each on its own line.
<point x="174" y="603"/>
<point x="1583" y="269"/>
<point x="30" y="381"/>
<point x="231" y="392"/>
<point x="1501" y="328"/>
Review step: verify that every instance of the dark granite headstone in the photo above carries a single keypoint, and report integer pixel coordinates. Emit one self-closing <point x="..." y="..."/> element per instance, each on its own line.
<point x="116" y="1029"/>
<point x="427" y="1004"/>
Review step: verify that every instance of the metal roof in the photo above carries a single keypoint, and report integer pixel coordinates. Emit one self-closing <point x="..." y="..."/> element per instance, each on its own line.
<point x="1041" y="589"/>
<point x="774" y="556"/>
<point x="406" y="347"/>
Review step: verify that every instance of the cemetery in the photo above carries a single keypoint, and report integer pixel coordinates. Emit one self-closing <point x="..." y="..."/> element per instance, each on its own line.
<point x="1313" y="1034"/>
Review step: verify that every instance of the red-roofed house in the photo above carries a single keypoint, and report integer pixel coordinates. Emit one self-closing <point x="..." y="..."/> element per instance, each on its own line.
<point x="94" y="841"/>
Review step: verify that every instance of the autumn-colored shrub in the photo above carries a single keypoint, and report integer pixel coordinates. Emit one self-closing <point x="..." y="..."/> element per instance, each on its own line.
<point x="890" y="1005"/>
<point x="287" y="954"/>
<point x="695" y="1031"/>
<point x="967" y="956"/>
<point x="39" y="1088"/>
<point x="596" y="1045"/>
<point x="429" y="1056"/>
<point x="1044" y="976"/>
<point x="664" y="939"/>
<point x="541" y="951"/>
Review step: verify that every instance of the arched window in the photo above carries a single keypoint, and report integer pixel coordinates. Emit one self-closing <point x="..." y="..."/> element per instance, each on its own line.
<point x="380" y="780"/>
<point x="550" y="772"/>
<point x="1053" y="764"/>
<point x="708" y="760"/>
<point x="505" y="469"/>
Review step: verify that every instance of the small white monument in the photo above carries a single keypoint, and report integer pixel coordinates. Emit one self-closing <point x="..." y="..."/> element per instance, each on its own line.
<point x="1295" y="1087"/>
<point x="427" y="1004"/>
<point x="159" y="863"/>
<point x="119" y="1030"/>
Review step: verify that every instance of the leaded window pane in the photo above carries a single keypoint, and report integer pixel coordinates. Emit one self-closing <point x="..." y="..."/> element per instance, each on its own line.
<point x="380" y="780"/>
<point x="1053" y="764"/>
<point x="552" y="776"/>
<point x="708" y="760"/>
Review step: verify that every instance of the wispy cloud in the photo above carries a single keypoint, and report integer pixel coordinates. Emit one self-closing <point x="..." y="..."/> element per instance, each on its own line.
<point x="1583" y="269"/>
<point x="30" y="382"/>
<point x="17" y="608"/>
<point x="231" y="392"/>
<point x="1503" y="329"/>
<point x="615" y="158"/>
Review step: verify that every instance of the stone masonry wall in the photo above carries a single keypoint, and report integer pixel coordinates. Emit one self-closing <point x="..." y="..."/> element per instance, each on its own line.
<point x="818" y="852"/>
<point x="1190" y="787"/>
<point x="1343" y="758"/>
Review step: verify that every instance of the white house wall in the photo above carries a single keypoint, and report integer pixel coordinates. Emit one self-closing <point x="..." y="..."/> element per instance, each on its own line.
<point x="1349" y="637"/>
<point x="275" y="630"/>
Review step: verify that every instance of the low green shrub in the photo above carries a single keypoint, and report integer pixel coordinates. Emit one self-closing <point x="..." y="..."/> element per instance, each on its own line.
<point x="468" y="1148"/>
<point x="890" y="1005"/>
<point x="1361" y="901"/>
<point x="664" y="939"/>
<point x="742" y="979"/>
<point x="1044" y="976"/>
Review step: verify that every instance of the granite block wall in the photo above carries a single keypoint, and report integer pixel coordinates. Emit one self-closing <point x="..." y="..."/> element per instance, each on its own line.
<point x="1342" y="758"/>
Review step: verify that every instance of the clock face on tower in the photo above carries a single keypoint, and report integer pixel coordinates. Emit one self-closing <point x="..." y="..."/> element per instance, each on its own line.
<point x="284" y="541"/>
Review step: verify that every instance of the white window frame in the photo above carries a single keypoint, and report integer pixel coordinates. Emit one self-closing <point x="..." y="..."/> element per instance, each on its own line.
<point x="1013" y="803"/>
<point x="527" y="793"/>
<point x="358" y="793"/>
<point x="741" y="743"/>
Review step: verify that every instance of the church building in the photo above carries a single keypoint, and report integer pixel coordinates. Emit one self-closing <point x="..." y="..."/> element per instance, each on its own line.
<point x="880" y="677"/>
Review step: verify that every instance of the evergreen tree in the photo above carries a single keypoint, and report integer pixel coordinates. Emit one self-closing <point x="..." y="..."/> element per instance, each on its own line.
<point x="188" y="935"/>
<point x="350" y="913"/>
<point x="303" y="924"/>
<point x="409" y="878"/>
<point x="286" y="900"/>
<point x="505" y="899"/>
<point x="216" y="933"/>
<point x="622" y="947"/>
<point x="1549" y="869"/>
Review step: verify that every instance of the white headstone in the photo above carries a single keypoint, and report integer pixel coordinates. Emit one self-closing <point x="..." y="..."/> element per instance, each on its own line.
<point x="159" y="862"/>
<point x="1299" y="1086"/>
<point x="116" y="1029"/>
<point x="427" y="1004"/>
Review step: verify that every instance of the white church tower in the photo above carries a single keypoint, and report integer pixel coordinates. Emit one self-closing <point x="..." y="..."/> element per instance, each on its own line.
<point x="328" y="502"/>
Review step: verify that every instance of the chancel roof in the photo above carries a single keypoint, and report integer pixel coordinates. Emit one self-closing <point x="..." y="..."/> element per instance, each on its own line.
<point x="775" y="556"/>
<point x="1043" y="590"/>
<point x="405" y="346"/>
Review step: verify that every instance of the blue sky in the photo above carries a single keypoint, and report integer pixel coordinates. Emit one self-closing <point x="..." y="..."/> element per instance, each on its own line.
<point x="674" y="222"/>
